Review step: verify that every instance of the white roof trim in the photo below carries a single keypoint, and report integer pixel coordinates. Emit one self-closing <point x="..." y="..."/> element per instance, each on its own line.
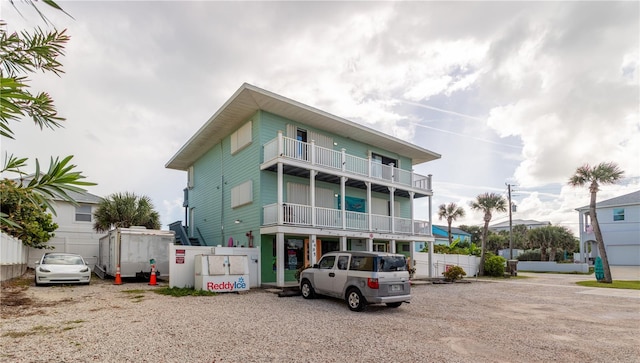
<point x="248" y="99"/>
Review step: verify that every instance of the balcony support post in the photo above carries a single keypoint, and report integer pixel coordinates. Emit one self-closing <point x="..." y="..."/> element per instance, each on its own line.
<point x="368" y="184"/>
<point x="413" y="221"/>
<point x="412" y="252"/>
<point x="430" y="256"/>
<point x="430" y="208"/>
<point x="314" y="251"/>
<point x="343" y="206"/>
<point x="280" y="185"/>
<point x="392" y="190"/>
<point x="343" y="243"/>
<point x="312" y="197"/>
<point x="280" y="258"/>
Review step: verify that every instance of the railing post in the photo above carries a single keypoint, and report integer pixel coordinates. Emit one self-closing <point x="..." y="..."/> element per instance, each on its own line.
<point x="280" y="144"/>
<point x="344" y="159"/>
<point x="313" y="152"/>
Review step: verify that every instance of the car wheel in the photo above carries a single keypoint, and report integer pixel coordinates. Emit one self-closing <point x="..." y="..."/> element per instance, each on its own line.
<point x="307" y="290"/>
<point x="355" y="300"/>
<point x="36" y="281"/>
<point x="394" y="305"/>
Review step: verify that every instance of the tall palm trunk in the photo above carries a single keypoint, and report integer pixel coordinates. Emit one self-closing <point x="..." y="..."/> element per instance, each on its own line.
<point x="598" y="234"/>
<point x="485" y="234"/>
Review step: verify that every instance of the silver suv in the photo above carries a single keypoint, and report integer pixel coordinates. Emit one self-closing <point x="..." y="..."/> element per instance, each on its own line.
<point x="361" y="278"/>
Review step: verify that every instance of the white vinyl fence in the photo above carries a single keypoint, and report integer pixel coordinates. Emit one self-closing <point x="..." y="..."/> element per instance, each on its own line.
<point x="441" y="262"/>
<point x="13" y="257"/>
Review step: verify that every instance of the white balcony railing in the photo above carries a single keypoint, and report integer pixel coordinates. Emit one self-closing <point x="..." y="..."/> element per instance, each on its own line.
<point x="310" y="153"/>
<point x="301" y="215"/>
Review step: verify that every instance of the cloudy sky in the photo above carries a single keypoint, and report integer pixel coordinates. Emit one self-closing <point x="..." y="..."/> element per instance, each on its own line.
<point x="507" y="92"/>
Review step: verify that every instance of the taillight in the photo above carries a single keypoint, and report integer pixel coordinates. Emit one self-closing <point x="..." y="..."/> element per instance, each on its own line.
<point x="373" y="283"/>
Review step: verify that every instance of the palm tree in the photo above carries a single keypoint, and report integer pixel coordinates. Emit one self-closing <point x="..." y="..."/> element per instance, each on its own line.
<point x="603" y="173"/>
<point x="487" y="203"/>
<point x="125" y="210"/>
<point x="450" y="212"/>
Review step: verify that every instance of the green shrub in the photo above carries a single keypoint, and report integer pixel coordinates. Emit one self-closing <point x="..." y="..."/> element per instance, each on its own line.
<point x="454" y="273"/>
<point x="494" y="266"/>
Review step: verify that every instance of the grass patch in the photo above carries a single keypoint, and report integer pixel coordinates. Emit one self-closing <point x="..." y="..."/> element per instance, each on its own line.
<point x="616" y="284"/>
<point x="75" y="321"/>
<point x="18" y="282"/>
<point x="35" y="330"/>
<point x="39" y="328"/>
<point x="18" y="334"/>
<point x="183" y="291"/>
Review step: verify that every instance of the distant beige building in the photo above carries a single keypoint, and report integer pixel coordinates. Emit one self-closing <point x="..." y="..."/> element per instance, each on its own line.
<point x="530" y="223"/>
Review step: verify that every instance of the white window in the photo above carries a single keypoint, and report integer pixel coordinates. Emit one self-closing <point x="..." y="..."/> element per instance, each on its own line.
<point x="300" y="194"/>
<point x="83" y="213"/>
<point x="381" y="207"/>
<point x="242" y="194"/>
<point x="241" y="138"/>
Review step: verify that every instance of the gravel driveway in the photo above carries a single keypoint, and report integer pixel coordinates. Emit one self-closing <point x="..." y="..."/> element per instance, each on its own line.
<point x="515" y="320"/>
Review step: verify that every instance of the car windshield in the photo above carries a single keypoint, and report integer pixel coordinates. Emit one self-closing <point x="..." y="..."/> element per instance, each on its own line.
<point x="392" y="263"/>
<point x="62" y="260"/>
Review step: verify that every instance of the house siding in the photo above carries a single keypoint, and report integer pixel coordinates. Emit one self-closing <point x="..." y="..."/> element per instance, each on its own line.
<point x="217" y="172"/>
<point x="621" y="238"/>
<point x="214" y="218"/>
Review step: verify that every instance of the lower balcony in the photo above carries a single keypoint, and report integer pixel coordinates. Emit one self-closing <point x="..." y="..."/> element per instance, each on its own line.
<point x="304" y="215"/>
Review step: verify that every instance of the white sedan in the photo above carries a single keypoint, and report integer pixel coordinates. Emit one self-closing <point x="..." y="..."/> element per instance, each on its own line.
<point x="62" y="268"/>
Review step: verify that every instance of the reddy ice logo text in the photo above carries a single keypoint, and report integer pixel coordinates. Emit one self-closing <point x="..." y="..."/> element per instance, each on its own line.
<point x="240" y="284"/>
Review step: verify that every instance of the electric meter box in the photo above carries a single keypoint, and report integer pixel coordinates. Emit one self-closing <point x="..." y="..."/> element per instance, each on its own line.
<point x="221" y="273"/>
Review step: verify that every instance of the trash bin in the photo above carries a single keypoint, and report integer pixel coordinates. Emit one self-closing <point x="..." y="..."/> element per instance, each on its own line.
<point x="512" y="267"/>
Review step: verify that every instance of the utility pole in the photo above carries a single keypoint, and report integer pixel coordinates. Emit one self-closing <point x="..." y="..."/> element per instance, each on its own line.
<point x="510" y="221"/>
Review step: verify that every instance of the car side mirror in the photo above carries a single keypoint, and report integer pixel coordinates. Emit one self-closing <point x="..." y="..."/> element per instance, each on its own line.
<point x="315" y="265"/>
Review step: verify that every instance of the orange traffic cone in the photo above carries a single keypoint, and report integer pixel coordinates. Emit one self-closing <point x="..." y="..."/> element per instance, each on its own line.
<point x="152" y="279"/>
<point x="118" y="280"/>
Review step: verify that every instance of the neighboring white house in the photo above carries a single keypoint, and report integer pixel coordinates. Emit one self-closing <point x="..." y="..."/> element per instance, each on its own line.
<point x="75" y="232"/>
<point x="619" y="221"/>
<point x="504" y="226"/>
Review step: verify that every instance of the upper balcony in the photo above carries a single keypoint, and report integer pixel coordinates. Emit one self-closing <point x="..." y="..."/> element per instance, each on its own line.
<point x="307" y="155"/>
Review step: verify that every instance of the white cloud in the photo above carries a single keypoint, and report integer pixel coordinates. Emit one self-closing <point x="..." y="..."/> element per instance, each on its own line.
<point x="560" y="79"/>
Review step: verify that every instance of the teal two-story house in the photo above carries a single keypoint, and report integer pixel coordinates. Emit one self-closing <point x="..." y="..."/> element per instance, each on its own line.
<point x="269" y="172"/>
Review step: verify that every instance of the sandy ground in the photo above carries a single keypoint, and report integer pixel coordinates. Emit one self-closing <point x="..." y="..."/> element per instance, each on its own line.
<point x="536" y="318"/>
